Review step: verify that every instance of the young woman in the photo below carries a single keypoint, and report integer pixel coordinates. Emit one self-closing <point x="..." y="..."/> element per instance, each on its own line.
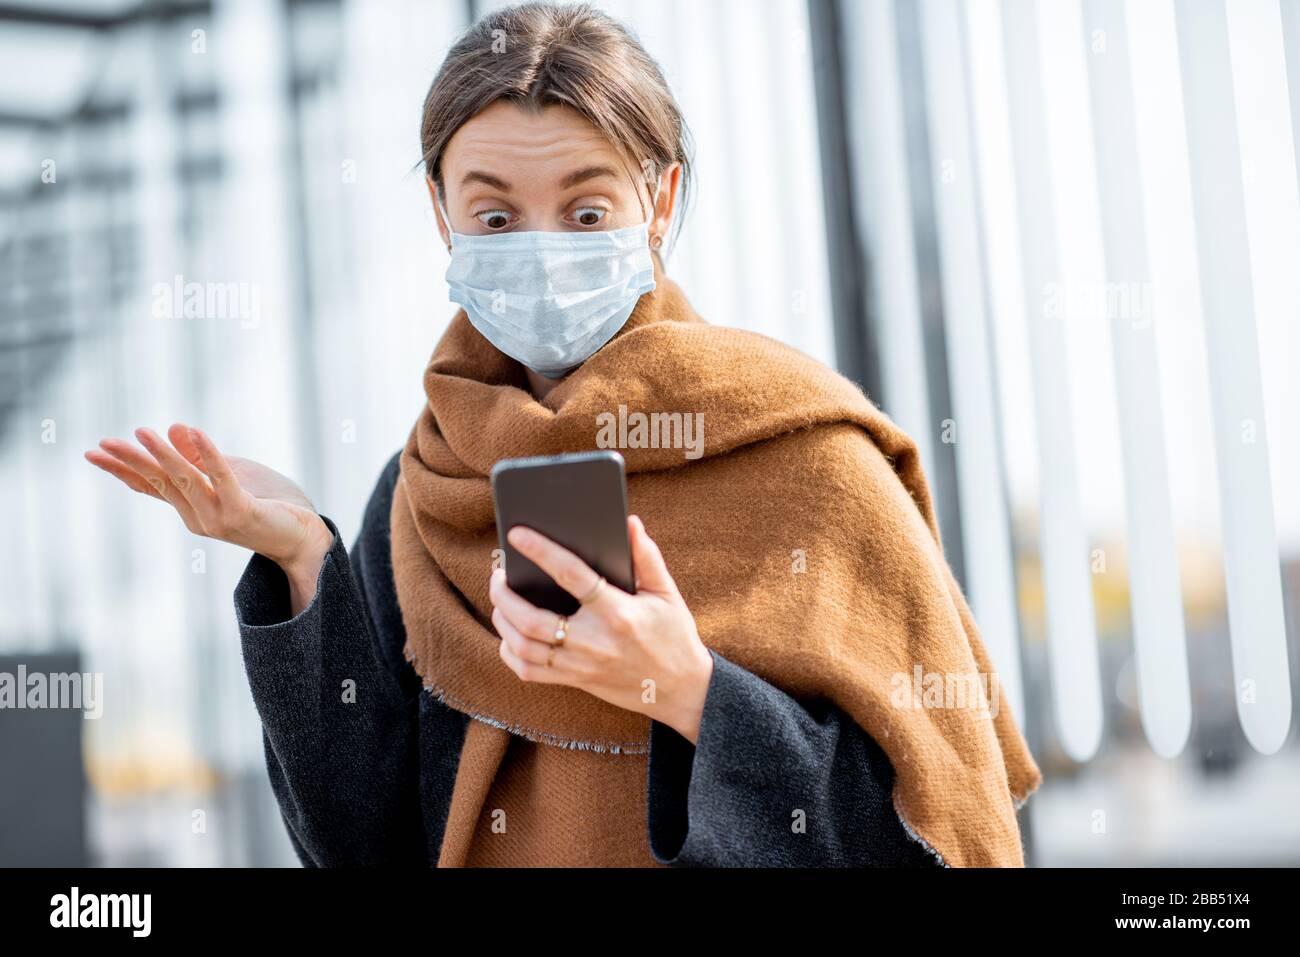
<point x="766" y="697"/>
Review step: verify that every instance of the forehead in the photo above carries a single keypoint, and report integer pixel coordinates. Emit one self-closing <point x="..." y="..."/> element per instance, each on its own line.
<point x="537" y="148"/>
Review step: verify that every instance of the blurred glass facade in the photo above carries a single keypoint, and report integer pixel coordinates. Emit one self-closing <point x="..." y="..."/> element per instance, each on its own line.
<point x="1056" y="241"/>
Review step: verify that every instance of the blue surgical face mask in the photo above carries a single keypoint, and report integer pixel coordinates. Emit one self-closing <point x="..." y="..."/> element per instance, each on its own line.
<point x="550" y="299"/>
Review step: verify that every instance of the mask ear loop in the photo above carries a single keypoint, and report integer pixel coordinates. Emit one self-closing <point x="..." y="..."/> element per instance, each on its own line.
<point x="656" y="241"/>
<point x="446" y="219"/>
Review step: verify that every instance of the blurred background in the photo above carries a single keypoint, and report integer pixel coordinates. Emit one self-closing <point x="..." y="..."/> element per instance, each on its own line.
<point x="1056" y="241"/>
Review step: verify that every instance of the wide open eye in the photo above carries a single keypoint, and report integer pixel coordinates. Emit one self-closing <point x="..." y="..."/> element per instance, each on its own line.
<point x="589" y="215"/>
<point x="494" y="219"/>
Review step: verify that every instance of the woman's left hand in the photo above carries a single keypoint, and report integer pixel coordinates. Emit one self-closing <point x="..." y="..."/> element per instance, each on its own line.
<point x="640" y="652"/>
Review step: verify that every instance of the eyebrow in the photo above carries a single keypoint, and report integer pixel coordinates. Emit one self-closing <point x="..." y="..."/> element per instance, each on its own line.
<point x="487" y="179"/>
<point x="573" y="179"/>
<point x="582" y="175"/>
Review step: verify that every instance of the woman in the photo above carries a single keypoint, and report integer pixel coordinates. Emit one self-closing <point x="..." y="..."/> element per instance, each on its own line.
<point x="752" y="703"/>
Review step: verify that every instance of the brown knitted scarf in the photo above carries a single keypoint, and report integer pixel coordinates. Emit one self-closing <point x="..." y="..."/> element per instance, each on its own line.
<point x="802" y="538"/>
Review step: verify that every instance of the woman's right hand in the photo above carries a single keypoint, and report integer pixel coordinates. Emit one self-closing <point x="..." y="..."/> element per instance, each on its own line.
<point x="227" y="498"/>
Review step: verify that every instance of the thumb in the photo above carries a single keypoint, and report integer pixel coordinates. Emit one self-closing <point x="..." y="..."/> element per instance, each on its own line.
<point x="647" y="561"/>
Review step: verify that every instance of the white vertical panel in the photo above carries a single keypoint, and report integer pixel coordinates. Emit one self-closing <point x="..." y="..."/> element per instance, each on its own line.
<point x="394" y="305"/>
<point x="985" y="524"/>
<point x="1063" y="542"/>
<point x="1081" y="259"/>
<point x="752" y="253"/>
<point x="761" y="288"/>
<point x="158" y="674"/>
<point x="254" y="399"/>
<point x="1156" y="596"/>
<point x="1290" y="15"/>
<point x="1001" y="237"/>
<point x="1268" y="167"/>
<point x="801" y="228"/>
<point x="878" y="137"/>
<point x="1255" y="613"/>
<point x="1179" y="333"/>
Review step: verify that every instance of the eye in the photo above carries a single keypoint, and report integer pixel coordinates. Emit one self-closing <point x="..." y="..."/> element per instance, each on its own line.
<point x="494" y="219"/>
<point x="589" y="215"/>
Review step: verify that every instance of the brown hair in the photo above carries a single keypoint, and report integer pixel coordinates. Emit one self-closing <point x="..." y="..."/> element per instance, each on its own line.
<point x="542" y="53"/>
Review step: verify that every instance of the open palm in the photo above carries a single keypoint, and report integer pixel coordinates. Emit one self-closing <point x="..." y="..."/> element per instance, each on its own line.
<point x="228" y="498"/>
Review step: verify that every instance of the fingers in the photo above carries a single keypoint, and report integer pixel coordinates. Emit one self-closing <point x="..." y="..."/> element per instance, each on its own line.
<point x="188" y="480"/>
<point x="166" y="473"/>
<point x="180" y="438"/>
<point x="569" y="571"/>
<point x="524" y="648"/>
<point x="529" y="620"/>
<point x="148" y="468"/>
<point x="529" y="670"/>
<point x="214" y="463"/>
<point x="127" y="475"/>
<point x="651" y="570"/>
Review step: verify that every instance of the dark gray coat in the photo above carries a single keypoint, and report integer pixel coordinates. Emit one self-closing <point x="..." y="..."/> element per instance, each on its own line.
<point x="367" y="779"/>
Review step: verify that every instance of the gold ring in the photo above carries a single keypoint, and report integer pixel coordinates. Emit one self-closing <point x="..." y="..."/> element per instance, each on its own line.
<point x="550" y="656"/>
<point x="561" y="630"/>
<point x="591" y="595"/>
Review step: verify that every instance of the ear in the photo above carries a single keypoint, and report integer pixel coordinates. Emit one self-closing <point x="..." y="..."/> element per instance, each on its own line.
<point x="669" y="180"/>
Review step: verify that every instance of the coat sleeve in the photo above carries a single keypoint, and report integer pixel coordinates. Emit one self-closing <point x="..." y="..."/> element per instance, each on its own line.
<point x="772" y="782"/>
<point x="339" y="714"/>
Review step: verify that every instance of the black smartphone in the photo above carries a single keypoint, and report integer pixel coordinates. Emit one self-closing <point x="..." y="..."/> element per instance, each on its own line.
<point x="578" y="499"/>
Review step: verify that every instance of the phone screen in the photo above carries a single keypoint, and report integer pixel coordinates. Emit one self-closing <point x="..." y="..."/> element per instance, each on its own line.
<point x="578" y="499"/>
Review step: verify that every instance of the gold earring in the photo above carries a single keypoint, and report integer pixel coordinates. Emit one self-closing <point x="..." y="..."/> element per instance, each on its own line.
<point x="656" y="242"/>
